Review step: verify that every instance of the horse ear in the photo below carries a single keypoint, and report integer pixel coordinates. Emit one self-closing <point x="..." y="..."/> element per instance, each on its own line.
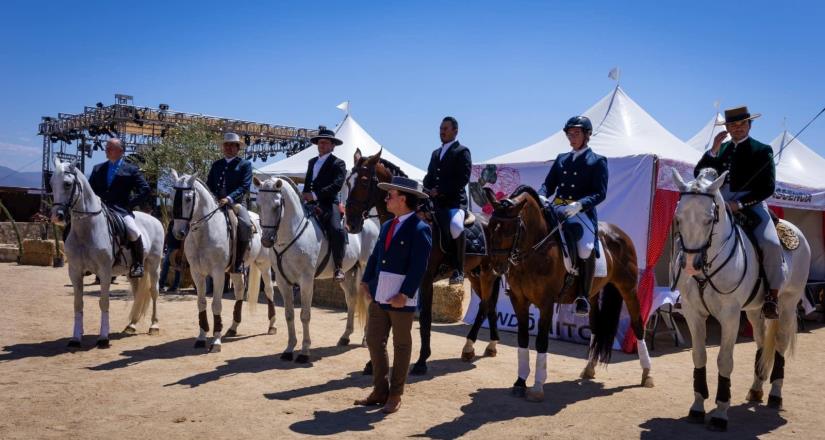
<point x="713" y="187"/>
<point x="279" y="183"/>
<point x="73" y="166"/>
<point x="378" y="155"/>
<point x="256" y="181"/>
<point x="356" y="157"/>
<point x="677" y="180"/>
<point x="56" y="161"/>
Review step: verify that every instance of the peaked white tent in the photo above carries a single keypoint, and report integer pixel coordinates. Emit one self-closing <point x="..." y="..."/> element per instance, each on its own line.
<point x="702" y="140"/>
<point x="354" y="137"/>
<point x="636" y="145"/>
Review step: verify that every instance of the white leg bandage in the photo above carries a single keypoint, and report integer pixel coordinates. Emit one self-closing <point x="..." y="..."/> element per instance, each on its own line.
<point x="541" y="370"/>
<point x="644" y="356"/>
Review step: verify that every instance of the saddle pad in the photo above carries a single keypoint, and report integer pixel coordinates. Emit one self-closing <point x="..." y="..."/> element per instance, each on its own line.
<point x="601" y="264"/>
<point x="788" y="237"/>
<point x="476" y="241"/>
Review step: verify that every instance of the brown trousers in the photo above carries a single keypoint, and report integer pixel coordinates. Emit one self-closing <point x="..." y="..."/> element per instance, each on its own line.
<point x="378" y="331"/>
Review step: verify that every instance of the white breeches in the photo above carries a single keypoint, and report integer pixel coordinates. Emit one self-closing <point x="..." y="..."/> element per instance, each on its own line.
<point x="456" y="222"/>
<point x="132" y="231"/>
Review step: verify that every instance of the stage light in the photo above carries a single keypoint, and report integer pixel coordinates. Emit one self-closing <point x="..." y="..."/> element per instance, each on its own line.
<point x="246" y="139"/>
<point x="99" y="105"/>
<point x="164" y="107"/>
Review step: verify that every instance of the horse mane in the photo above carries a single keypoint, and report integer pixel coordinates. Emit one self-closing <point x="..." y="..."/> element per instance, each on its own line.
<point x="394" y="169"/>
<point x="529" y="190"/>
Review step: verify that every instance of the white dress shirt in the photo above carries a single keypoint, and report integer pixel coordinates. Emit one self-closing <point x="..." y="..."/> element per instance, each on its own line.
<point x="444" y="149"/>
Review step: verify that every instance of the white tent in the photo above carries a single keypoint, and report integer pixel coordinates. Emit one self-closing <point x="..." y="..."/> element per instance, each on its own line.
<point x="637" y="146"/>
<point x="797" y="164"/>
<point x="354" y="137"/>
<point x="621" y="128"/>
<point x="702" y="140"/>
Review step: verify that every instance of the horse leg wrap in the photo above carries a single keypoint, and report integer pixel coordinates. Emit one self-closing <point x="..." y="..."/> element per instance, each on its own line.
<point x="778" y="371"/>
<point x="723" y="389"/>
<point x="700" y="382"/>
<point x="202" y="321"/>
<point x="236" y="312"/>
<point x="218" y="324"/>
<point x="541" y="370"/>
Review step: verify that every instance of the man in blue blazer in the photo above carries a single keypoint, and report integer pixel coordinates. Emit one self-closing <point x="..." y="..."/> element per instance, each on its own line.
<point x="579" y="181"/>
<point x="121" y="187"/>
<point x="391" y="279"/>
<point x="229" y="180"/>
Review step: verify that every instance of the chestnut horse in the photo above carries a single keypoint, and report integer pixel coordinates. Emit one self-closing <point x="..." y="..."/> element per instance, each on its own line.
<point x="528" y="251"/>
<point x="363" y="196"/>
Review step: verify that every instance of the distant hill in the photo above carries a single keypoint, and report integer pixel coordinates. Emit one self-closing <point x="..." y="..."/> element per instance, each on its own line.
<point x="28" y="179"/>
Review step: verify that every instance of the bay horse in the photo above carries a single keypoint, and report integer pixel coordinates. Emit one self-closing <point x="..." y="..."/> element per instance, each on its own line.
<point x="717" y="275"/>
<point x="363" y="196"/>
<point x="525" y="249"/>
<point x="90" y="246"/>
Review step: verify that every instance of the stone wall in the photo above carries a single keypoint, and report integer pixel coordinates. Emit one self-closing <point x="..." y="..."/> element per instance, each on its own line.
<point x="28" y="230"/>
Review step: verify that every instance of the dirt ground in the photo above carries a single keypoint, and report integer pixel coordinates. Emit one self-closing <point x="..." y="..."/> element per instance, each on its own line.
<point x="161" y="387"/>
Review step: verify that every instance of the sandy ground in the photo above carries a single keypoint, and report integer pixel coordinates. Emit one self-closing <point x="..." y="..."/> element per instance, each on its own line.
<point x="161" y="387"/>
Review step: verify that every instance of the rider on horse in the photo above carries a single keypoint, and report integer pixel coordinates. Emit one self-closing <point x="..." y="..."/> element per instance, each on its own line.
<point x="229" y="180"/>
<point x="751" y="180"/>
<point x="114" y="181"/>
<point x="579" y="181"/>
<point x="322" y="184"/>
<point x="447" y="175"/>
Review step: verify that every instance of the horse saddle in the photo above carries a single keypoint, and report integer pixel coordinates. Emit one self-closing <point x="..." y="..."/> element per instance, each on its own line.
<point x="117" y="230"/>
<point x="476" y="243"/>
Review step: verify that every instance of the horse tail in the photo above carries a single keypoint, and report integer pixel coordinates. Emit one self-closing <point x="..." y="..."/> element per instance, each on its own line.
<point x="766" y="356"/>
<point x="143" y="297"/>
<point x="361" y="304"/>
<point x="604" y="323"/>
<point x="253" y="286"/>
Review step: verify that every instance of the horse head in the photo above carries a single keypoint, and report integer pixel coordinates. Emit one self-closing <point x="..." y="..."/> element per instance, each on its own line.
<point x="65" y="190"/>
<point x="363" y="192"/>
<point x="699" y="210"/>
<point x="271" y="205"/>
<point x="507" y="229"/>
<point x="183" y="203"/>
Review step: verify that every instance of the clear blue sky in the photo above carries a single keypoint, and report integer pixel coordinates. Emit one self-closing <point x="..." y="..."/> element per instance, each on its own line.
<point x="510" y="71"/>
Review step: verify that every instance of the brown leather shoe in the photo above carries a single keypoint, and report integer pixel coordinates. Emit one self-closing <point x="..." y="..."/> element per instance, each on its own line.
<point x="392" y="405"/>
<point x="372" y="400"/>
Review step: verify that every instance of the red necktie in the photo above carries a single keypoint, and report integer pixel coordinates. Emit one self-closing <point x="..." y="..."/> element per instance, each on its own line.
<point x="388" y="239"/>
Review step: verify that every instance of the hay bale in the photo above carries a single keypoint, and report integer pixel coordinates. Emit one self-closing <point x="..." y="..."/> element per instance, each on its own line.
<point x="448" y="302"/>
<point x="328" y="294"/>
<point x="38" y="252"/>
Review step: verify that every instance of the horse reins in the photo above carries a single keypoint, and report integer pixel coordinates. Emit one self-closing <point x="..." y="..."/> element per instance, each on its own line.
<point x="279" y="256"/>
<point x="177" y="201"/>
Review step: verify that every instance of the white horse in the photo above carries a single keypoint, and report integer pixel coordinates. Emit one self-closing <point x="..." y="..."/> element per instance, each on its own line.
<point x="89" y="247"/>
<point x="300" y="256"/>
<point x="717" y="275"/>
<point x="208" y="250"/>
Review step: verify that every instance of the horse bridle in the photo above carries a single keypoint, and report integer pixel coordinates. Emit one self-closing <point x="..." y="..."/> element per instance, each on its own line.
<point x="177" y="207"/>
<point x="277" y="225"/>
<point x="703" y="250"/>
<point x="74" y="195"/>
<point x="364" y="205"/>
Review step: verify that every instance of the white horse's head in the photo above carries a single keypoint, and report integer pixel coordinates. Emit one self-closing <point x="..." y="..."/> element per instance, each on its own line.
<point x="66" y="190"/>
<point x="271" y="206"/>
<point x="183" y="202"/>
<point x="699" y="209"/>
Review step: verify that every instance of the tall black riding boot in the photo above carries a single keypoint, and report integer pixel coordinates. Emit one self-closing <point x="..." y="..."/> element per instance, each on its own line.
<point x="458" y="261"/>
<point x="586" y="269"/>
<point x="240" y="250"/>
<point x="136" y="271"/>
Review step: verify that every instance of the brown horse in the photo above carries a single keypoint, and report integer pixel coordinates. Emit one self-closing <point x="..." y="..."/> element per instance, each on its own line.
<point x="523" y="247"/>
<point x="364" y="195"/>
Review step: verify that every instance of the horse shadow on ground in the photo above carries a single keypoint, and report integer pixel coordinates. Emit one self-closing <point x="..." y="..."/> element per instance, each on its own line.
<point x="57" y="347"/>
<point x="490" y="405"/>
<point x="257" y="364"/>
<point x="745" y="421"/>
<point x="168" y="350"/>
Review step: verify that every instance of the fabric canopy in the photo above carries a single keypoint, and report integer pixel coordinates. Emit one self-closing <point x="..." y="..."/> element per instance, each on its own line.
<point x="354" y="137"/>
<point x="702" y="140"/>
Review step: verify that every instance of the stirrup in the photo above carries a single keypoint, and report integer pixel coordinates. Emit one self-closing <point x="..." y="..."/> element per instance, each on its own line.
<point x="773" y="307"/>
<point x="339" y="276"/>
<point x="582" y="306"/>
<point x="456" y="278"/>
<point x="136" y="271"/>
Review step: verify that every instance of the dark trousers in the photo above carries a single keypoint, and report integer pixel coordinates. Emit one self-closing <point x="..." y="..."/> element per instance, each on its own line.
<point x="164" y="271"/>
<point x="244" y="224"/>
<point x="335" y="232"/>
<point x="378" y="330"/>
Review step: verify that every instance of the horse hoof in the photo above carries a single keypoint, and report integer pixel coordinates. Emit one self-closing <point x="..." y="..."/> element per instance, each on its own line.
<point x="718" y="424"/>
<point x="154" y="331"/>
<point x="490" y="352"/>
<point x="418" y="369"/>
<point x="102" y="343"/>
<point x="129" y="330"/>
<point x="272" y="331"/>
<point x="231" y="333"/>
<point x="287" y="356"/>
<point x="302" y="359"/>
<point x="647" y="382"/>
<point x="215" y="348"/>
<point x="343" y="342"/>
<point x="755" y="396"/>
<point x="696" y="416"/>
<point x="367" y="369"/>
<point x="467" y="356"/>
<point x="774" y="402"/>
<point x="73" y="343"/>
<point x="200" y="344"/>
<point x="519" y="391"/>
<point x="535" y="396"/>
<point x="588" y="374"/>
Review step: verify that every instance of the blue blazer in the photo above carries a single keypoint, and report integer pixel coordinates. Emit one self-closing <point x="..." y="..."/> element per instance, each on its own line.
<point x="230" y="180"/>
<point x="408" y="254"/>
<point x="583" y="179"/>
<point x="128" y="189"/>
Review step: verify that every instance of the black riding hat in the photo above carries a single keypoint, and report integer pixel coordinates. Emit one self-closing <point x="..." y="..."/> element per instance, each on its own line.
<point x="582" y="122"/>
<point x="325" y="133"/>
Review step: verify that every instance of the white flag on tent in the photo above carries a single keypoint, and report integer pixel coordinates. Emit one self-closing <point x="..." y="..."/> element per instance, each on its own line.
<point x="343" y="106"/>
<point x="614" y="73"/>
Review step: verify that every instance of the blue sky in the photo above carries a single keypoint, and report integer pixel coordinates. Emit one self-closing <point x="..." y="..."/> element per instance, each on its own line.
<point x="510" y="71"/>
